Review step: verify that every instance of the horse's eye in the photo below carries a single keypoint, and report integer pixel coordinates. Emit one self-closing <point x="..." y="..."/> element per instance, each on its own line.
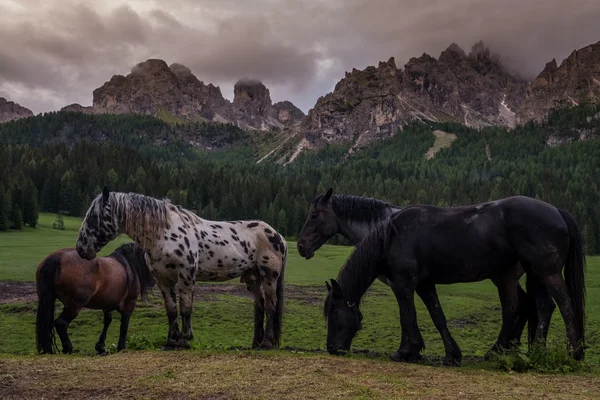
<point x="313" y="216"/>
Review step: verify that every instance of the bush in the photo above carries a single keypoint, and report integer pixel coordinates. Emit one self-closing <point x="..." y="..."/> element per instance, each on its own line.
<point x="143" y="342"/>
<point x="551" y="359"/>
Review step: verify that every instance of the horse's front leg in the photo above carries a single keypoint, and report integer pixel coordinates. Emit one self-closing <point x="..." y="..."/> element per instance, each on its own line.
<point x="187" y="280"/>
<point x="404" y="285"/>
<point x="167" y="288"/>
<point x="429" y="296"/>
<point x="100" y="346"/>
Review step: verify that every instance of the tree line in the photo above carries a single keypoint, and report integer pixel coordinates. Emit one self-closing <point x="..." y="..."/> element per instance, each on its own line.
<point x="42" y="172"/>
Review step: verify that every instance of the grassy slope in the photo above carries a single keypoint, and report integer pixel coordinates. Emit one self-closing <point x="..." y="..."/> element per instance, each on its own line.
<point x="273" y="375"/>
<point x="223" y="320"/>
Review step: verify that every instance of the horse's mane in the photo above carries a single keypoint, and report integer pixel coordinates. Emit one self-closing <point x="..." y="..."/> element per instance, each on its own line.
<point x="357" y="207"/>
<point x="143" y="217"/>
<point x="132" y="257"/>
<point x="363" y="265"/>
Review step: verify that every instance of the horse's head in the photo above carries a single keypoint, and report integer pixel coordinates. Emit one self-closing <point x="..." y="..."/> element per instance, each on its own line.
<point x="344" y="319"/>
<point x="320" y="225"/>
<point x="99" y="226"/>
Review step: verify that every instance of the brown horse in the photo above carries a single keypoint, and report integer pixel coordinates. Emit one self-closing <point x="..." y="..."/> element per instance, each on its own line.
<point x="106" y="283"/>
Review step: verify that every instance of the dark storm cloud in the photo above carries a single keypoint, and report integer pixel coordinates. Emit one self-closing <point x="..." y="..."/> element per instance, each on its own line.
<point x="53" y="53"/>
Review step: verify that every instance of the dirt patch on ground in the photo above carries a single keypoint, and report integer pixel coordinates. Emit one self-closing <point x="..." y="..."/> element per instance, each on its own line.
<point x="268" y="375"/>
<point x="25" y="292"/>
<point x="17" y="292"/>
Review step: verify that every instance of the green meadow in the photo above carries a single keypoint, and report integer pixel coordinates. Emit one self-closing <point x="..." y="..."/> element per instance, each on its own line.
<point x="223" y="323"/>
<point x="223" y="316"/>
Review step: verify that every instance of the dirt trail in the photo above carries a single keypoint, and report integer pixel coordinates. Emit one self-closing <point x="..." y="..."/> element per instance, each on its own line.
<point x="25" y="292"/>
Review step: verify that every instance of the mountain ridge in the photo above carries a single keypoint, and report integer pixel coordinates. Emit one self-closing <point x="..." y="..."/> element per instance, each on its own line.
<point x="474" y="89"/>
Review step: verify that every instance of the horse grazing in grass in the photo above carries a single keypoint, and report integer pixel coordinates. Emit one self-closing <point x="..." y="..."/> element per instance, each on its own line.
<point x="466" y="244"/>
<point x="184" y="248"/>
<point x="106" y="283"/>
<point x="354" y="217"/>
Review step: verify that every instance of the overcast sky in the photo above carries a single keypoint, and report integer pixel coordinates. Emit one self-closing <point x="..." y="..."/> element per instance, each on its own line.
<point x="56" y="52"/>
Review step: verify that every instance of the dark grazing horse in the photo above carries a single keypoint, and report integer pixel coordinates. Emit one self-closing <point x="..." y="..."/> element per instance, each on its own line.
<point x="106" y="283"/>
<point x="465" y="244"/>
<point x="354" y="217"/>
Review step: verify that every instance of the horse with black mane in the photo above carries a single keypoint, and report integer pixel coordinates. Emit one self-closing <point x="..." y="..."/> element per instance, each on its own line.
<point x="106" y="283"/>
<point x="354" y="217"/>
<point x="439" y="245"/>
<point x="184" y="248"/>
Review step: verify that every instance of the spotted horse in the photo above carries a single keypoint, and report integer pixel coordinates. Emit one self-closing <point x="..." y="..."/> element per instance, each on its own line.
<point x="184" y="248"/>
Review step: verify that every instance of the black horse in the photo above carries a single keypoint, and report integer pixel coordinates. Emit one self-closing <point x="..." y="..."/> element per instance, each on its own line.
<point x="354" y="217"/>
<point x="465" y="244"/>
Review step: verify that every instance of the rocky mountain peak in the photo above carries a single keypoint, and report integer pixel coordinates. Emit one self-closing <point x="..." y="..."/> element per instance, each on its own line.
<point x="252" y="96"/>
<point x="155" y="88"/>
<point x="452" y="54"/>
<point x="576" y="79"/>
<point x="10" y="111"/>
<point x="479" y="52"/>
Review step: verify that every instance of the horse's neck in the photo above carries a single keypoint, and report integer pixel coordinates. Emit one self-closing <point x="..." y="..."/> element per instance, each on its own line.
<point x="130" y="226"/>
<point x="355" y="230"/>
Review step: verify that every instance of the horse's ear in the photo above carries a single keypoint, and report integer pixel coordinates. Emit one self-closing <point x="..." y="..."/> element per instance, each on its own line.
<point x="328" y="286"/>
<point x="327" y="195"/>
<point x="105" y="193"/>
<point x="335" y="288"/>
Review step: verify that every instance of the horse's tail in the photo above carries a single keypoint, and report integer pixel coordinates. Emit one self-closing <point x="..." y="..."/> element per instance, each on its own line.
<point x="575" y="274"/>
<point x="278" y="316"/>
<point x="44" y="324"/>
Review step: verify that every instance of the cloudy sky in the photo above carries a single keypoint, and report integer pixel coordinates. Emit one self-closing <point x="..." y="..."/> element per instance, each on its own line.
<point x="55" y="52"/>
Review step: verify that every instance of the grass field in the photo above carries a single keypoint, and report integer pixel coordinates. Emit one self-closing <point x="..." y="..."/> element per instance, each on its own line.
<point x="222" y="320"/>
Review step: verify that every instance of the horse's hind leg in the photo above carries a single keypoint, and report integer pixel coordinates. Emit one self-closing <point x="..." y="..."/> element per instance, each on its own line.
<point x="429" y="296"/>
<point x="125" y="316"/>
<point x="557" y="288"/>
<point x="522" y="316"/>
<point x="100" y="346"/>
<point x="269" y="287"/>
<point x="123" y="330"/>
<point x="253" y="285"/>
<point x="62" y="325"/>
<point x="167" y="288"/>
<point x="544" y="307"/>
<point x="509" y="299"/>
<point x="186" y="305"/>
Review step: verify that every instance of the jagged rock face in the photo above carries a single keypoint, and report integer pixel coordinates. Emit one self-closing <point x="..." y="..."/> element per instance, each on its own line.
<point x="576" y="79"/>
<point x="10" y="111"/>
<point x="286" y="113"/>
<point x="373" y="103"/>
<point x="153" y="87"/>
<point x="79" y="108"/>
<point x="363" y="103"/>
<point x="473" y="89"/>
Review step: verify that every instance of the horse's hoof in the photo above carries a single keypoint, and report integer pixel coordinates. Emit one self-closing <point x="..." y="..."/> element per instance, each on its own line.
<point x="452" y="361"/>
<point x="398" y="356"/>
<point x="579" y="354"/>
<point x="184" y="346"/>
<point x="169" y="346"/>
<point x="266" y="345"/>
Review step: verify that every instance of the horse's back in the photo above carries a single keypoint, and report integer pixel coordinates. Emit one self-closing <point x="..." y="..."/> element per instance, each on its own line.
<point x="467" y="243"/>
<point x="86" y="282"/>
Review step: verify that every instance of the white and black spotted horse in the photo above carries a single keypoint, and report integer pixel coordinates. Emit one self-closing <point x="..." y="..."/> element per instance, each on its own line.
<point x="184" y="248"/>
